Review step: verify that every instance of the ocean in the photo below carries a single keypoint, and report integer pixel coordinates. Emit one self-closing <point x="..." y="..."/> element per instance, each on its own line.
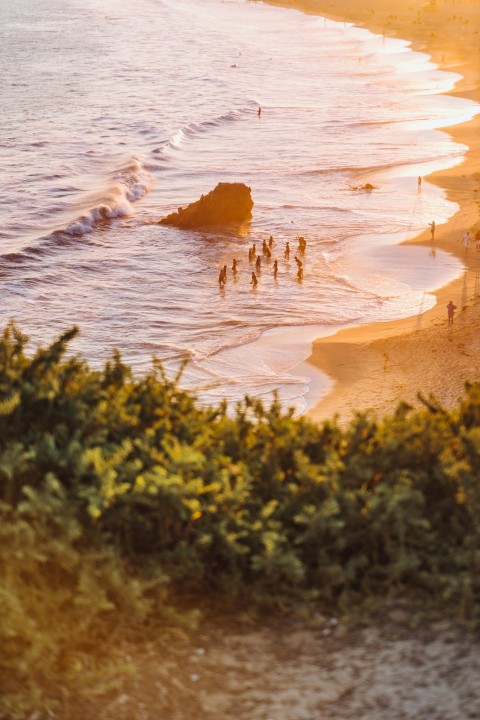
<point x="114" y="113"/>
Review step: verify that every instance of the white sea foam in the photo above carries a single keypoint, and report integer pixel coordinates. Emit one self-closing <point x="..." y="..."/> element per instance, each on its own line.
<point x="128" y="185"/>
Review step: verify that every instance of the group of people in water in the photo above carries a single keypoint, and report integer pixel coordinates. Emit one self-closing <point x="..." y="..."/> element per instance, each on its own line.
<point x="266" y="256"/>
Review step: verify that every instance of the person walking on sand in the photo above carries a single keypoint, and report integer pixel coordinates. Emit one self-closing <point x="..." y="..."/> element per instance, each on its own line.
<point x="466" y="240"/>
<point x="259" y="111"/>
<point x="299" y="262"/>
<point x="432" y="228"/>
<point x="254" y="281"/>
<point x="258" y="264"/>
<point x="270" y="242"/>
<point x="451" y="309"/>
<point x="275" y="269"/>
<point x="234" y="266"/>
<point x="286" y="254"/>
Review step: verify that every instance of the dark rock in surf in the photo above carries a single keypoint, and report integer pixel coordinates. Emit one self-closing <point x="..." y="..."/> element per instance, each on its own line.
<point x="368" y="187"/>
<point x="226" y="204"/>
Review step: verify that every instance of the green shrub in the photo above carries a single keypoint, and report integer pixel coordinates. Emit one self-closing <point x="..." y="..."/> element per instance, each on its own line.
<point x="102" y="471"/>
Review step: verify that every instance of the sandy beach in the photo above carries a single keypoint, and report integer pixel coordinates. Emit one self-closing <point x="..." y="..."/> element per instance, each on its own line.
<point x="293" y="672"/>
<point x="377" y="366"/>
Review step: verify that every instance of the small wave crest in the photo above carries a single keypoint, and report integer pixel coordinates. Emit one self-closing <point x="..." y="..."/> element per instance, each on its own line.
<point x="357" y="170"/>
<point x="129" y="183"/>
<point x="194" y="129"/>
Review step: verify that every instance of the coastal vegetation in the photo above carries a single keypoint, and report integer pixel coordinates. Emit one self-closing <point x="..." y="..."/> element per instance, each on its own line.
<point x="128" y="507"/>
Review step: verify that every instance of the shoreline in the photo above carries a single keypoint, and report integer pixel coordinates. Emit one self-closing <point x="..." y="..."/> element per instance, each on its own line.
<point x="378" y="365"/>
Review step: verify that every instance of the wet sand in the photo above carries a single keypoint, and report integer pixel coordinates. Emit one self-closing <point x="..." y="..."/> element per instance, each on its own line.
<point x="377" y="366"/>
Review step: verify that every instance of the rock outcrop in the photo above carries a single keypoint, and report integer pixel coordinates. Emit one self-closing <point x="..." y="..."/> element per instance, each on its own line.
<point x="226" y="204"/>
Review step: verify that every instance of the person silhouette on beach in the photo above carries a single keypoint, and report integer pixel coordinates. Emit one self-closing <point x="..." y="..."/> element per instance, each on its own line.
<point x="301" y="245"/>
<point x="299" y="262"/>
<point x="254" y="281"/>
<point x="258" y="264"/>
<point x="234" y="266"/>
<point x="432" y="228"/>
<point x="259" y="111"/>
<point x="275" y="269"/>
<point x="300" y="274"/>
<point x="451" y="309"/>
<point x="286" y="254"/>
<point x="270" y="242"/>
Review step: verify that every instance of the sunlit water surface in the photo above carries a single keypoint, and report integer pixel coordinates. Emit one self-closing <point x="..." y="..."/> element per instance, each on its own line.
<point x="115" y="113"/>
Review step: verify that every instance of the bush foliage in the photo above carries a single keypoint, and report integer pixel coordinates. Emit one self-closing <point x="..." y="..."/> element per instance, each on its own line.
<point x="122" y="495"/>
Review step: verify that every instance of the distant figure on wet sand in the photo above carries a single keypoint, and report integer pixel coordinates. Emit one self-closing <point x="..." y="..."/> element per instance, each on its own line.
<point x="254" y="281"/>
<point x="258" y="264"/>
<point x="259" y="111"/>
<point x="432" y="228"/>
<point x="275" y="269"/>
<point x="451" y="309"/>
<point x="302" y="245"/>
<point x="222" y="278"/>
<point x="466" y="240"/>
<point x="299" y="263"/>
<point x="270" y="242"/>
<point x="286" y="254"/>
<point x="234" y="266"/>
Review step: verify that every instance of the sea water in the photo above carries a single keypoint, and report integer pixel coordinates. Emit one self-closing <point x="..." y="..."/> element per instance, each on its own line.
<point x="116" y="112"/>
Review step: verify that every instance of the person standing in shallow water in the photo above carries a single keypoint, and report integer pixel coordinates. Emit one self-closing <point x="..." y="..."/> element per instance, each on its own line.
<point x="222" y="278"/>
<point x="275" y="269"/>
<point x="451" y="309"/>
<point x="286" y="254"/>
<point x="254" y="281"/>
